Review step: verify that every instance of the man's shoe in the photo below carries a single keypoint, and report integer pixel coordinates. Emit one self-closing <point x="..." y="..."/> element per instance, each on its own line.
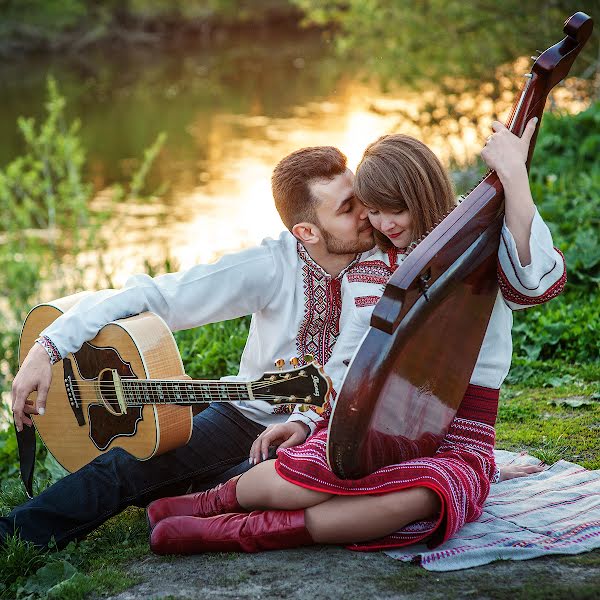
<point x="216" y="501"/>
<point x="249" y="532"/>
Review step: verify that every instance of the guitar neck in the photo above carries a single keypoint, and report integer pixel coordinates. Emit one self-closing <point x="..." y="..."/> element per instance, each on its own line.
<point x="186" y="391"/>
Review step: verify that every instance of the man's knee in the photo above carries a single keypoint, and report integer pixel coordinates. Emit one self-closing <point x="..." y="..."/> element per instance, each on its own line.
<point x="115" y="463"/>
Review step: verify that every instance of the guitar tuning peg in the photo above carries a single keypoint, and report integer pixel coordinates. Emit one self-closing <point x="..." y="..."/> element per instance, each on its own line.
<point x="308" y="358"/>
<point x="279" y="363"/>
<point x="294" y="361"/>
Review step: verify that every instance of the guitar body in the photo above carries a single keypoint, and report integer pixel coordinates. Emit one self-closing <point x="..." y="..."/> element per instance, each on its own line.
<point x="138" y="347"/>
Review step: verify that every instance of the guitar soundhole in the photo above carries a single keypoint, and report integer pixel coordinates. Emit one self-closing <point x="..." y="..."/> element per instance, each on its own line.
<point x="108" y="392"/>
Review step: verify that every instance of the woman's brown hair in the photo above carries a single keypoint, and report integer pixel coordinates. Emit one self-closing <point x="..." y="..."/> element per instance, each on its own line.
<point x="397" y="172"/>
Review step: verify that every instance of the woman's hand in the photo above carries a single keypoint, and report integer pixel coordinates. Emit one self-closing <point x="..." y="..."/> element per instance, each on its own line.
<point x="282" y="435"/>
<point x="513" y="471"/>
<point x="506" y="153"/>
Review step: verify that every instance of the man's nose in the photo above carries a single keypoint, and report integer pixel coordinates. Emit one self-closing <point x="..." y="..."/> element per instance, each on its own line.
<point x="364" y="212"/>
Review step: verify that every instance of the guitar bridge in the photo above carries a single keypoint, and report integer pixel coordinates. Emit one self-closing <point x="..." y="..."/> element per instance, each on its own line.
<point x="73" y="391"/>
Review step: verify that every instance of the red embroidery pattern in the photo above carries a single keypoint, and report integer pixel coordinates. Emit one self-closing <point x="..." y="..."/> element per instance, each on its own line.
<point x="459" y="472"/>
<point x="375" y="272"/>
<point x="510" y="293"/>
<point x="320" y="327"/>
<point x="362" y="301"/>
<point x="50" y="348"/>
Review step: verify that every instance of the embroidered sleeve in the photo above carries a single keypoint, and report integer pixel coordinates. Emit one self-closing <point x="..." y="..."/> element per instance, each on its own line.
<point x="542" y="279"/>
<point x="496" y="476"/>
<point x="48" y="345"/>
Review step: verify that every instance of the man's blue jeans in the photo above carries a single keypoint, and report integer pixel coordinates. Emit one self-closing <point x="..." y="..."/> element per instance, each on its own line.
<point x="74" y="506"/>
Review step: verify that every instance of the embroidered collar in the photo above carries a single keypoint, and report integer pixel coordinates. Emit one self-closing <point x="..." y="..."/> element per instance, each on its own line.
<point x="317" y="268"/>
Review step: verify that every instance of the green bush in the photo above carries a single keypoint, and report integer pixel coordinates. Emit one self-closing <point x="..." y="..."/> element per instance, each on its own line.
<point x="212" y="351"/>
<point x="565" y="182"/>
<point x="47" y="226"/>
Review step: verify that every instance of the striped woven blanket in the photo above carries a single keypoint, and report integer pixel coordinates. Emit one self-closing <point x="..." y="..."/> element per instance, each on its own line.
<point x="553" y="512"/>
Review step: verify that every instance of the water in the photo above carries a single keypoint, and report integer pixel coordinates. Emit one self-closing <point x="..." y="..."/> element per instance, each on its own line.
<point x="232" y="110"/>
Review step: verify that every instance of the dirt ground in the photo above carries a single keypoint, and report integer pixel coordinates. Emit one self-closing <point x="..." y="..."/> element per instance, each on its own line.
<point x="325" y="572"/>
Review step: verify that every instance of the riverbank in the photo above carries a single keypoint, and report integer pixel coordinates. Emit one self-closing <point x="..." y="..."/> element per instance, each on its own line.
<point x="74" y="26"/>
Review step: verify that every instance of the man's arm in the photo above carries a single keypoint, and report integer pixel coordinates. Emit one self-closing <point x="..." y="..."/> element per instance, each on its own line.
<point x="236" y="285"/>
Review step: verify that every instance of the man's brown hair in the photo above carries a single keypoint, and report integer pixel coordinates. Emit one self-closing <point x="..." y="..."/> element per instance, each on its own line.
<point x="293" y="175"/>
<point x="398" y="171"/>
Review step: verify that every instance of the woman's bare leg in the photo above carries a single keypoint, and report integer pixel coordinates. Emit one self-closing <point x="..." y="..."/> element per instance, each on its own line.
<point x="349" y="519"/>
<point x="262" y="488"/>
<point x="336" y="519"/>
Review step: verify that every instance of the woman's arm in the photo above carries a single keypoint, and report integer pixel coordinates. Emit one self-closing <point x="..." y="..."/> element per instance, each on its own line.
<point x="530" y="269"/>
<point x="507" y="155"/>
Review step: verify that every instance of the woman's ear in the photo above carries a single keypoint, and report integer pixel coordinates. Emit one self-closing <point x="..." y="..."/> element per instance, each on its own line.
<point x="306" y="233"/>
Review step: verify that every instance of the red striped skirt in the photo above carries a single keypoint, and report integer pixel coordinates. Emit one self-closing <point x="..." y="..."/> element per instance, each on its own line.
<point x="459" y="472"/>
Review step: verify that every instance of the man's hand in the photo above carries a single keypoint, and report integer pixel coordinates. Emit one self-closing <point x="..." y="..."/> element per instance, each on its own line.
<point x="283" y="435"/>
<point x="35" y="374"/>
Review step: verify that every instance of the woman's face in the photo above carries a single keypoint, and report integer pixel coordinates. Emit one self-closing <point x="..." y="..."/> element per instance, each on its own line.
<point x="394" y="224"/>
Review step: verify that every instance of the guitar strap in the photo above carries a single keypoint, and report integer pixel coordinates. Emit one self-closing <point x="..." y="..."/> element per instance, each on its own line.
<point x="26" y="445"/>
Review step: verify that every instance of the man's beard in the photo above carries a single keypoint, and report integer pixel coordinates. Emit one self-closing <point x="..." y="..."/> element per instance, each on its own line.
<point x="336" y="246"/>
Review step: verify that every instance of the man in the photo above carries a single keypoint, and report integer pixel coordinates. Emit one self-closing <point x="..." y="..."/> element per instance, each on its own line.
<point x="293" y="289"/>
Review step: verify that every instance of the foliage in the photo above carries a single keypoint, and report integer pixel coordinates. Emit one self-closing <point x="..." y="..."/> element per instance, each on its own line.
<point x="55" y="23"/>
<point x="214" y="350"/>
<point x="414" y="42"/>
<point x="47" y="229"/>
<point x="565" y="182"/>
<point x="77" y="570"/>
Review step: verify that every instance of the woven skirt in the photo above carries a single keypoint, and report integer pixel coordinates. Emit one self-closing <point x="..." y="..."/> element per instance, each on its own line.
<point x="459" y="472"/>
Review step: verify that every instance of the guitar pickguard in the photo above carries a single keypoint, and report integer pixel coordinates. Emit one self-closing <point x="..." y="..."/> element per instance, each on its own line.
<point x="105" y="427"/>
<point x="92" y="359"/>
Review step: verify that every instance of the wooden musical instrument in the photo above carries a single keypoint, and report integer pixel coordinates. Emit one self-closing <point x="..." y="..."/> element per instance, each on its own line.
<point x="126" y="388"/>
<point x="410" y="374"/>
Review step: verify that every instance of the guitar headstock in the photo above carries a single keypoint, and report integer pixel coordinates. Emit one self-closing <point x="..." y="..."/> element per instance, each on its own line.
<point x="307" y="385"/>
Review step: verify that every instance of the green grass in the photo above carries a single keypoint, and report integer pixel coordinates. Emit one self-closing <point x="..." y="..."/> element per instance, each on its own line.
<point x="537" y="420"/>
<point x="95" y="565"/>
<point x="529" y="419"/>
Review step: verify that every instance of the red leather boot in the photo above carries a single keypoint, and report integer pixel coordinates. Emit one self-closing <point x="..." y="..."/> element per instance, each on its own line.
<point x="249" y="532"/>
<point x="216" y="501"/>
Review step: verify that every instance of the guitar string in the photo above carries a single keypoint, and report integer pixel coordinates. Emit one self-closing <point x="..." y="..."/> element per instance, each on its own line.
<point x="189" y="382"/>
<point x="174" y="395"/>
<point x="171" y="385"/>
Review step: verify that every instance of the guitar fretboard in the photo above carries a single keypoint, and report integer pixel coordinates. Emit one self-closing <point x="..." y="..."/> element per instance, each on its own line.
<point x="143" y="391"/>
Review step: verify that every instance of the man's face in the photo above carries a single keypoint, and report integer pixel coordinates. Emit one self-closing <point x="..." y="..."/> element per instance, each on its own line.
<point x="342" y="219"/>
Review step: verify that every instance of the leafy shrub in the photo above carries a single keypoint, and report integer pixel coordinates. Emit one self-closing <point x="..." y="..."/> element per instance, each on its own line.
<point x="565" y="182"/>
<point x="214" y="350"/>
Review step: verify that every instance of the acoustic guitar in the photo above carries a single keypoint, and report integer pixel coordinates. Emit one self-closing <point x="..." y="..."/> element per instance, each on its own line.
<point x="127" y="388"/>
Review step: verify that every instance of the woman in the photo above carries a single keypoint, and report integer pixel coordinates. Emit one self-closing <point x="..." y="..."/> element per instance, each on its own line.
<point x="296" y="500"/>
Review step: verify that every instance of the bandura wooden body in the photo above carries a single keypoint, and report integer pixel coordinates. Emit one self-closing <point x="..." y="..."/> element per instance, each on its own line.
<point x="411" y="372"/>
<point x="127" y="388"/>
